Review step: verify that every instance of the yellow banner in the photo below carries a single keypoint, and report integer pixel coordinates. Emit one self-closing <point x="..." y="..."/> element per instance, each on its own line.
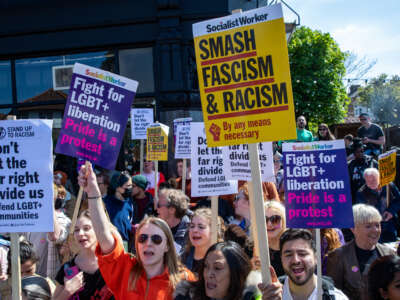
<point x="157" y="142"/>
<point x="387" y="167"/>
<point x="244" y="78"/>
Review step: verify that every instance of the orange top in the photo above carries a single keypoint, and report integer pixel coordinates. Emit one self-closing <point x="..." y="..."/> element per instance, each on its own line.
<point x="116" y="268"/>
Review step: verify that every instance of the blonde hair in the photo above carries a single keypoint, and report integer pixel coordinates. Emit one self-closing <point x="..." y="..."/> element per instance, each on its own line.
<point x="55" y="191"/>
<point x="364" y="213"/>
<point x="278" y="206"/>
<point x="175" y="268"/>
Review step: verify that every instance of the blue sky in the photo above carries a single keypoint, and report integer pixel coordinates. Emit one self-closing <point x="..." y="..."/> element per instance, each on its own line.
<point x="367" y="28"/>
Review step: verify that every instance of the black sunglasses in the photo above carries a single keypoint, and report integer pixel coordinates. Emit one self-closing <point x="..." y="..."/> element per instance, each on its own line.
<point x="275" y="219"/>
<point x="155" y="238"/>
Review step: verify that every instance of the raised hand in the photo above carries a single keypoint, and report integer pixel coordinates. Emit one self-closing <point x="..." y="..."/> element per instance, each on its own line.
<point x="271" y="291"/>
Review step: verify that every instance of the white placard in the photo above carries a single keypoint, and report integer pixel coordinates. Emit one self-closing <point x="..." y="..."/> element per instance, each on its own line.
<point x="141" y="118"/>
<point x="26" y="176"/>
<point x="237" y="162"/>
<point x="183" y="141"/>
<point x="178" y="122"/>
<point x="208" y="170"/>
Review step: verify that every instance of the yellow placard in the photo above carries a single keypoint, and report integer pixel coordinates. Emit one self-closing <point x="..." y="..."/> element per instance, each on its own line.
<point x="157" y="142"/>
<point x="387" y="167"/>
<point x="244" y="78"/>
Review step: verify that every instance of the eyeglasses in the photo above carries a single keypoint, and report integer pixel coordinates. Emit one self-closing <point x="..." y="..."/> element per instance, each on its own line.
<point x="277" y="161"/>
<point x="363" y="119"/>
<point x="322" y="129"/>
<point x="275" y="219"/>
<point x="155" y="238"/>
<point x="238" y="198"/>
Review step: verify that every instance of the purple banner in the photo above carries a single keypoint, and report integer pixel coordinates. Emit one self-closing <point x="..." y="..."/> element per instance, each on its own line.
<point x="317" y="191"/>
<point x="95" y="115"/>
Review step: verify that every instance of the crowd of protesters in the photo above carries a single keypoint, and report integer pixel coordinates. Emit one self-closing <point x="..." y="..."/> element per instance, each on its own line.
<point x="126" y="245"/>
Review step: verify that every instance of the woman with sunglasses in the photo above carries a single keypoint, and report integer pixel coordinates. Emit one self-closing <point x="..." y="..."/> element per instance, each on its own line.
<point x="324" y="134"/>
<point x="154" y="272"/>
<point x="276" y="226"/>
<point x="80" y="278"/>
<point x="200" y="238"/>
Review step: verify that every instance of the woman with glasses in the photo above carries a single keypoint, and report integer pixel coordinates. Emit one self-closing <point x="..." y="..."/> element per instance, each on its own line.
<point x="154" y="272"/>
<point x="200" y="238"/>
<point x="324" y="134"/>
<point x="80" y="278"/>
<point x="242" y="209"/>
<point x="276" y="225"/>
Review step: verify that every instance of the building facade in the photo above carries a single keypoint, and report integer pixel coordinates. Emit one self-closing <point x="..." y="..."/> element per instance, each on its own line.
<point x="150" y="41"/>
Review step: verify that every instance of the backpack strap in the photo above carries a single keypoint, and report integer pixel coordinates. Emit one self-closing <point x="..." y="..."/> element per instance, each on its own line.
<point x="327" y="288"/>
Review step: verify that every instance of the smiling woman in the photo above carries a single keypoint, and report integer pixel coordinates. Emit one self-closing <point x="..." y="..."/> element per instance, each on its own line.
<point x="348" y="264"/>
<point x="81" y="277"/>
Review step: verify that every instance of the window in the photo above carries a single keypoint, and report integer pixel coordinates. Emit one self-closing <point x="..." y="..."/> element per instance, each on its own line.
<point x="4" y="112"/>
<point x="137" y="64"/>
<point x="5" y="83"/>
<point x="34" y="76"/>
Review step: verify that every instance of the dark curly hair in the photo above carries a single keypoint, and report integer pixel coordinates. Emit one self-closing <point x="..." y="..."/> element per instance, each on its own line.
<point x="381" y="274"/>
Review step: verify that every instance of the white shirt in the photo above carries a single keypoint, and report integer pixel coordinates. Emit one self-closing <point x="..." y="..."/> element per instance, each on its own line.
<point x="286" y="295"/>
<point x="151" y="179"/>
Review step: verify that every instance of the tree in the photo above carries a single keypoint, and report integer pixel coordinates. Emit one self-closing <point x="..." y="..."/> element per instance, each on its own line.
<point x="317" y="69"/>
<point x="382" y="95"/>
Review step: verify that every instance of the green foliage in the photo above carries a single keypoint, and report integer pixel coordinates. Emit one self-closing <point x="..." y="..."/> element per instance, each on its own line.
<point x="382" y="96"/>
<point x="317" y="69"/>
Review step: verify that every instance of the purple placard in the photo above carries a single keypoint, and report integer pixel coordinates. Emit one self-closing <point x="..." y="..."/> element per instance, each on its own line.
<point x="95" y="115"/>
<point x="317" y="191"/>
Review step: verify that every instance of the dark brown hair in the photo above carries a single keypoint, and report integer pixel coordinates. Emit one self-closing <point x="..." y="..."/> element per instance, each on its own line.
<point x="328" y="137"/>
<point x="239" y="268"/>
